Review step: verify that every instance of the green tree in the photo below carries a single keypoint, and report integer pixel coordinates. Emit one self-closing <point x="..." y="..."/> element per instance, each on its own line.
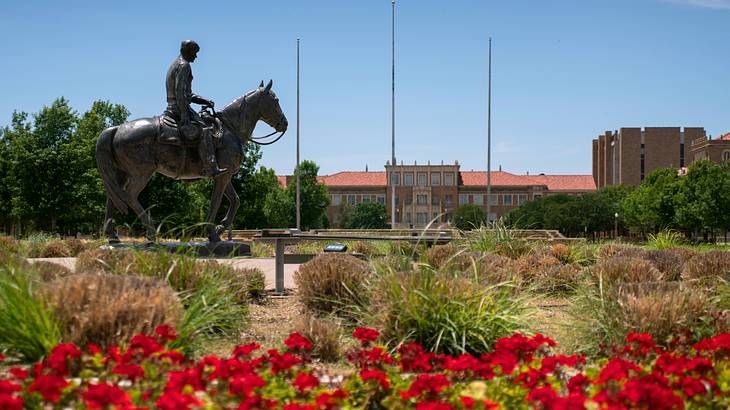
<point x="343" y="214"/>
<point x="469" y="216"/>
<point x="532" y="214"/>
<point x="314" y="196"/>
<point x="703" y="198"/>
<point x="369" y="216"/>
<point x="651" y="206"/>
<point x="279" y="209"/>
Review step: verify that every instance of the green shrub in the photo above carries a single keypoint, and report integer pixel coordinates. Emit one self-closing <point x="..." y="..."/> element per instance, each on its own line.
<point x="110" y="309"/>
<point x="708" y="264"/>
<point x="449" y="314"/>
<point x="28" y="328"/>
<point x="469" y="216"/>
<point x="332" y="283"/>
<point x="665" y="239"/>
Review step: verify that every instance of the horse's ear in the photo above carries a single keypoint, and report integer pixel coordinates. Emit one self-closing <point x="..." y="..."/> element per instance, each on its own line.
<point x="262" y="84"/>
<point x="268" y="86"/>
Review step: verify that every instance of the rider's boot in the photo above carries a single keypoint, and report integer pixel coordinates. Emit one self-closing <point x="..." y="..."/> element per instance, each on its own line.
<point x="207" y="156"/>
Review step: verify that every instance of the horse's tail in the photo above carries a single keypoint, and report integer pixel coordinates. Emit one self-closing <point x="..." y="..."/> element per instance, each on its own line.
<point x="105" y="163"/>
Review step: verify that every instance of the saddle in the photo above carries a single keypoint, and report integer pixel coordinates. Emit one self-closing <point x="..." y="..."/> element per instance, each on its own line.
<point x="169" y="133"/>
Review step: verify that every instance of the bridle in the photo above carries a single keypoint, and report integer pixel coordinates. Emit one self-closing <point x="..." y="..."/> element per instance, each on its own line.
<point x="255" y="140"/>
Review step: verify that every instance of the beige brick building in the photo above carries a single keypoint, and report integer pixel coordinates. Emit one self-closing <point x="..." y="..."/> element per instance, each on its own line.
<point x="433" y="192"/>
<point x="628" y="155"/>
<point x="716" y="150"/>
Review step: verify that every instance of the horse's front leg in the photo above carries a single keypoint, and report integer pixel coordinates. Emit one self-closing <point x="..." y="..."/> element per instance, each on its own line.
<point x="234" y="202"/>
<point x="215" y="202"/>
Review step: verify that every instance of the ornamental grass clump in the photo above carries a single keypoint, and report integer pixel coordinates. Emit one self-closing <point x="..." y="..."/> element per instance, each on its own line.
<point x="715" y="263"/>
<point x="438" y="255"/>
<point x="616" y="270"/>
<point x="325" y="334"/>
<point x="110" y="309"/>
<point x="667" y="262"/>
<point x="9" y="244"/>
<point x="333" y="283"/>
<point x="446" y="313"/>
<point x="619" y="249"/>
<point x="28" y="327"/>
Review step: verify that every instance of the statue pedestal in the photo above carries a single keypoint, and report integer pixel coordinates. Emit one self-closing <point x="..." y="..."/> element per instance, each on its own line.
<point x="222" y="249"/>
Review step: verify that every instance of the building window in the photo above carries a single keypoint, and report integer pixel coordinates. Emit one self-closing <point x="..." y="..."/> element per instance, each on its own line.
<point x="642" y="156"/>
<point x="397" y="200"/>
<point x="435" y="200"/>
<point x="681" y="155"/>
<point x="408" y="178"/>
<point x="493" y="199"/>
<point x="409" y="199"/>
<point x="435" y="178"/>
<point x="521" y="199"/>
<point x="395" y="178"/>
<point x="421" y="217"/>
<point x="351" y="199"/>
<point x="463" y="199"/>
<point x="449" y="199"/>
<point x="381" y="199"/>
<point x="448" y="178"/>
<point x="336" y="199"/>
<point x="422" y="179"/>
<point x="479" y="199"/>
<point x="726" y="155"/>
<point x="421" y="199"/>
<point x="408" y="217"/>
<point x="507" y="199"/>
<point x="366" y="199"/>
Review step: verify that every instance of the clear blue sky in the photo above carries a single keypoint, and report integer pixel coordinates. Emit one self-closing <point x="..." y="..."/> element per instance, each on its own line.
<point x="563" y="71"/>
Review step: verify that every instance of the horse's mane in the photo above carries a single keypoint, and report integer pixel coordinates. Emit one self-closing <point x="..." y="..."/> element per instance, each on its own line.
<point x="239" y="101"/>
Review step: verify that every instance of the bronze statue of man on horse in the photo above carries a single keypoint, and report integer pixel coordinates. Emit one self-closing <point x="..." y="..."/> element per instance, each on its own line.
<point x="183" y="144"/>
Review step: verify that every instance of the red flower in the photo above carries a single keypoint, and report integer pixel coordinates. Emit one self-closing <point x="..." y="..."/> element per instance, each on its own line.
<point x="176" y="401"/>
<point x="617" y="369"/>
<point x="172" y="356"/>
<point x="467" y="401"/>
<point x="578" y="383"/>
<point x="60" y="355"/>
<point x="693" y="387"/>
<point x="49" y="386"/>
<point x="166" y="332"/>
<point x="414" y="359"/>
<point x="8" y="387"/>
<point x="426" y="384"/>
<point x="329" y="401"/>
<point x="282" y="362"/>
<point x="646" y="393"/>
<point x="305" y="381"/>
<point x="296" y="341"/>
<point x="377" y="375"/>
<point x="433" y="405"/>
<point x="365" y="335"/>
<point x="101" y="395"/>
<point x="297" y="406"/>
<point x="9" y="402"/>
<point x="131" y="371"/>
<point x="19" y="373"/>
<point x="93" y="349"/>
<point x="245" y="350"/>
<point x="244" y="385"/>
<point x="142" y="343"/>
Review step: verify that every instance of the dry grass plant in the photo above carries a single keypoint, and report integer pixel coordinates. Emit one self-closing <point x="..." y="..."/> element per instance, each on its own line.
<point x="333" y="283"/>
<point x="364" y="248"/>
<point x="616" y="270"/>
<point x="715" y="263"/>
<point x="668" y="262"/>
<point x="612" y="249"/>
<point x="110" y="309"/>
<point x="325" y="333"/>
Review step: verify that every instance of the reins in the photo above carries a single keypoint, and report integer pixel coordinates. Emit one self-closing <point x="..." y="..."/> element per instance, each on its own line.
<point x="255" y="140"/>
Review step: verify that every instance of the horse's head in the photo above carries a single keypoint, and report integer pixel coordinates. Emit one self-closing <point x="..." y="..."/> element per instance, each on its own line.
<point x="269" y="108"/>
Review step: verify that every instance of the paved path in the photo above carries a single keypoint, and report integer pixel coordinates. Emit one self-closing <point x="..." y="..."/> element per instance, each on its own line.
<point x="265" y="264"/>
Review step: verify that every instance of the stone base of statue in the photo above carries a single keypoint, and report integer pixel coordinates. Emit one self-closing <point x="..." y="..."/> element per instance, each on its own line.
<point x="222" y="249"/>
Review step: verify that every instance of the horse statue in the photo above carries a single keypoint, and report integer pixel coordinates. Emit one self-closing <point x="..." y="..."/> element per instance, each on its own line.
<point x="129" y="154"/>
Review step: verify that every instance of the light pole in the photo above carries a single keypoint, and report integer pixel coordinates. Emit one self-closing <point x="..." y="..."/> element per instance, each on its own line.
<point x="615" y="225"/>
<point x="489" y="137"/>
<point x="392" y="116"/>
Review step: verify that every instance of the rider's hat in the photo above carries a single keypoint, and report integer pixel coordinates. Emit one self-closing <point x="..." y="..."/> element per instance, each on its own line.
<point x="189" y="45"/>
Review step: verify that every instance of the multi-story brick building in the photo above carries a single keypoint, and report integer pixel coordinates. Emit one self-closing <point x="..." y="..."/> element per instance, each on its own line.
<point x="628" y="155"/>
<point x="716" y="150"/>
<point x="433" y="192"/>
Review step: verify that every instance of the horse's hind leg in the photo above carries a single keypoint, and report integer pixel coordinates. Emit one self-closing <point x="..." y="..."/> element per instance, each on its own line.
<point x="135" y="185"/>
<point x="109" y="229"/>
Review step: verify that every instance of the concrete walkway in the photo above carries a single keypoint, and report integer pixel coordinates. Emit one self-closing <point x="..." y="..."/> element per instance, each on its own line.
<point x="265" y="264"/>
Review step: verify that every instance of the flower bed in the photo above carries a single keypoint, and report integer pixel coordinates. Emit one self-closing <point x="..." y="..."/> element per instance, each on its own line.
<point x="521" y="372"/>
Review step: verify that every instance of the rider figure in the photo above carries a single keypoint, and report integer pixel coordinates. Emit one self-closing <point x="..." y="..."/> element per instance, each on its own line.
<point x="180" y="95"/>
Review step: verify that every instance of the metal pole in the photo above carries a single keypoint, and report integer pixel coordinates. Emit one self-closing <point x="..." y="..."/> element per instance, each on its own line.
<point x="489" y="135"/>
<point x="279" y="265"/>
<point x="392" y="116"/>
<point x="299" y="192"/>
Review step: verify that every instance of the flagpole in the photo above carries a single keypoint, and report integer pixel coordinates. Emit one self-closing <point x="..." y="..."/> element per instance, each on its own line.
<point x="299" y="193"/>
<point x="489" y="136"/>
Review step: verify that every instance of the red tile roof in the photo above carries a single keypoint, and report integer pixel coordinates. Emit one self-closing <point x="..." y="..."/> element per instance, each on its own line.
<point x="570" y="183"/>
<point x="725" y="137"/>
